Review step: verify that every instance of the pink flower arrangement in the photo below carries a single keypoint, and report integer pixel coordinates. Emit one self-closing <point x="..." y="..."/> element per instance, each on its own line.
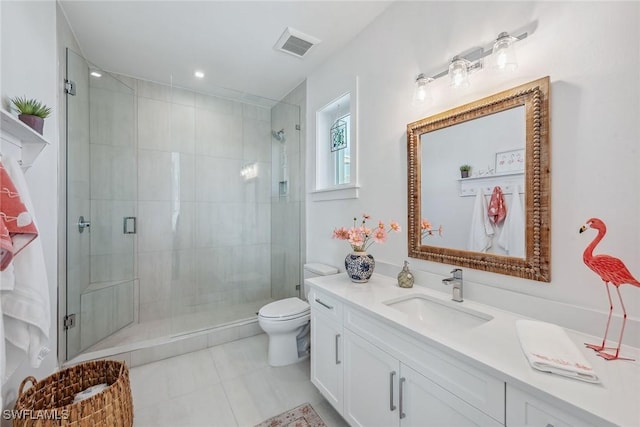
<point x="361" y="237"/>
<point x="427" y="228"/>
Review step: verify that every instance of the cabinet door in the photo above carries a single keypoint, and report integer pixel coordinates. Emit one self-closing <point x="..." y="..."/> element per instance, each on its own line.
<point x="370" y="384"/>
<point x="424" y="403"/>
<point x="525" y="410"/>
<point x="326" y="358"/>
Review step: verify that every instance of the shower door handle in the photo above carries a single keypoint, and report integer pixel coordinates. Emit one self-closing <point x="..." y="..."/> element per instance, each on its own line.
<point x="82" y="224"/>
<point x="129" y="224"/>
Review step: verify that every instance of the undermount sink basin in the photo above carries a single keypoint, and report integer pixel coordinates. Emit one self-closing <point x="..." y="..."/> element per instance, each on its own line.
<point x="438" y="313"/>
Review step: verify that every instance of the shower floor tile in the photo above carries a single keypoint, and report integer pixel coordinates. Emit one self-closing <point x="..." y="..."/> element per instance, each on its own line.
<point x="226" y="385"/>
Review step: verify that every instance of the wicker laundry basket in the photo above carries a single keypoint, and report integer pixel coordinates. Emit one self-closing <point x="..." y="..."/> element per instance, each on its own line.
<point x="50" y="402"/>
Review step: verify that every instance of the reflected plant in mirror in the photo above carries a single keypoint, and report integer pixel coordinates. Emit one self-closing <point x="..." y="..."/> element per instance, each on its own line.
<point x="509" y="133"/>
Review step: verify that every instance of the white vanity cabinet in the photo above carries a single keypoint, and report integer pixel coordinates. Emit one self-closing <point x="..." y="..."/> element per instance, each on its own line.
<point x="525" y="410"/>
<point x="380" y="366"/>
<point x="379" y="390"/>
<point x="326" y="347"/>
<point x="375" y="376"/>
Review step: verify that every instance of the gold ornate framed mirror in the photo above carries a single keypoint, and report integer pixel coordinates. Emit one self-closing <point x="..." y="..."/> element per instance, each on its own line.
<point x="505" y="139"/>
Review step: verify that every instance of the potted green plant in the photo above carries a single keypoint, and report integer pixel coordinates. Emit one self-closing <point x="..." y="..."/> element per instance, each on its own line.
<point x="32" y="112"/>
<point x="464" y="171"/>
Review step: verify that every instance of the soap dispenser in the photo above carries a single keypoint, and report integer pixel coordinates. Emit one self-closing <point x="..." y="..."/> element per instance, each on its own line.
<point x="405" y="277"/>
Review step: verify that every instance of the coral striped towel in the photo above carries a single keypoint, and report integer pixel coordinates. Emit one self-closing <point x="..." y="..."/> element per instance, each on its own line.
<point x="549" y="349"/>
<point x="497" y="208"/>
<point x="18" y="229"/>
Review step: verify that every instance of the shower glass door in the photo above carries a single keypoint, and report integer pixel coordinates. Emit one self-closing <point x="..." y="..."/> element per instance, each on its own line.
<point x="101" y="198"/>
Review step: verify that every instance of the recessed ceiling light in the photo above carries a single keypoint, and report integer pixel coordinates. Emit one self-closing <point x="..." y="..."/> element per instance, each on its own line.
<point x="96" y="74"/>
<point x="199" y="74"/>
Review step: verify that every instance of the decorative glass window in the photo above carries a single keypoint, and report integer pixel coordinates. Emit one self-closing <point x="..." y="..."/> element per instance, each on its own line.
<point x="336" y="155"/>
<point x="342" y="155"/>
<point x="338" y="135"/>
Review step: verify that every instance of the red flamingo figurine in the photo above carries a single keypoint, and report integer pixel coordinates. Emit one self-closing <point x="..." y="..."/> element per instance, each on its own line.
<point x="611" y="270"/>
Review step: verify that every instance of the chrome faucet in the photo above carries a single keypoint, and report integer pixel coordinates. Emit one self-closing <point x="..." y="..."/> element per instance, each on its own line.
<point x="456" y="279"/>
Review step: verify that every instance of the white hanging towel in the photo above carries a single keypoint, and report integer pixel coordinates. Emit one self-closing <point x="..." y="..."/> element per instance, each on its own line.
<point x="548" y="348"/>
<point x="26" y="308"/>
<point x="511" y="238"/>
<point x="481" y="232"/>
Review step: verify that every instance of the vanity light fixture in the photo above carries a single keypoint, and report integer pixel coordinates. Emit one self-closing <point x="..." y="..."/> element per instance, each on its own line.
<point x="462" y="65"/>
<point x="459" y="72"/>
<point x="421" y="91"/>
<point x="504" y="54"/>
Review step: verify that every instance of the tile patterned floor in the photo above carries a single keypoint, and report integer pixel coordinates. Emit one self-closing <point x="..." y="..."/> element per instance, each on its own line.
<point x="227" y="385"/>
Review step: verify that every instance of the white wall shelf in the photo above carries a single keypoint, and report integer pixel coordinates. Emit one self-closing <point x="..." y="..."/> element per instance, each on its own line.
<point x="20" y="140"/>
<point x="507" y="181"/>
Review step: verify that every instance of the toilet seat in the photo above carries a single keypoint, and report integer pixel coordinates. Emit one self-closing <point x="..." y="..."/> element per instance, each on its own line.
<point x="285" y="309"/>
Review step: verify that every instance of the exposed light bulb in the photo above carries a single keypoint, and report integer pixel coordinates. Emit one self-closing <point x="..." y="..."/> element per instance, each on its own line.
<point x="504" y="53"/>
<point x="459" y="73"/>
<point x="421" y="92"/>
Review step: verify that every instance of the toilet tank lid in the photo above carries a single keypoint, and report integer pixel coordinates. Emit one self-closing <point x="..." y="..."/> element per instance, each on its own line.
<point x="320" y="269"/>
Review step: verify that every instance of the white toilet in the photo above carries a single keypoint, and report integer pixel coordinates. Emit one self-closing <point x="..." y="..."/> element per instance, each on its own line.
<point x="286" y="322"/>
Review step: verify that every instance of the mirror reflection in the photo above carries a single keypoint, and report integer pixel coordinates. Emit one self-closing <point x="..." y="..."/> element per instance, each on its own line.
<point x="493" y="146"/>
<point x="481" y="171"/>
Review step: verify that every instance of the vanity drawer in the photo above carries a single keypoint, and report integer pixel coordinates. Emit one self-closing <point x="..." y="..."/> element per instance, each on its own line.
<point x="478" y="389"/>
<point x="326" y="304"/>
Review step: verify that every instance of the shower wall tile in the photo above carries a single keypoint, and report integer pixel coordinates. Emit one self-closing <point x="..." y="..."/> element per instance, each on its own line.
<point x="256" y="138"/>
<point x="155" y="275"/>
<point x="154" y="226"/>
<point x="113" y="173"/>
<point x="256" y="223"/>
<point x="218" y="180"/>
<point x="182" y="225"/>
<point x="112" y="117"/>
<point x="255" y="112"/>
<point x="258" y="189"/>
<point x="183" y="277"/>
<point x="107" y="222"/>
<point x="111" y="267"/>
<point x="155" y="175"/>
<point x="96" y="316"/>
<point x="123" y="307"/>
<point x="218" y="105"/>
<point x="218" y="224"/>
<point x="153" y="90"/>
<point x="154" y="124"/>
<point x="165" y="93"/>
<point x="182" y="128"/>
<point x="218" y="135"/>
<point x="187" y="176"/>
<point x="214" y="270"/>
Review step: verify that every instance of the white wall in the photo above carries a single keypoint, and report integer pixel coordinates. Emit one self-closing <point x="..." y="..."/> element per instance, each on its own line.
<point x="29" y="67"/>
<point x="591" y="52"/>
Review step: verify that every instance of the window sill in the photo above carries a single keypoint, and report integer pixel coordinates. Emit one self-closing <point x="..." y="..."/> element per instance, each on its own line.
<point x="335" y="193"/>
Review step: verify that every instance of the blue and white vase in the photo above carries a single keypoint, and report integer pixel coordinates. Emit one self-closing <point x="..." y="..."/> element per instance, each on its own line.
<point x="359" y="266"/>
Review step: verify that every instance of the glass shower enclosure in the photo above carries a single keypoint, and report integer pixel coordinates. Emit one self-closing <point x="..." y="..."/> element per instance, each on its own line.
<point x="184" y="209"/>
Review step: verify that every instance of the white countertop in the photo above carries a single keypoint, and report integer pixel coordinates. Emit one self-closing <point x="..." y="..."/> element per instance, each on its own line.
<point x="495" y="348"/>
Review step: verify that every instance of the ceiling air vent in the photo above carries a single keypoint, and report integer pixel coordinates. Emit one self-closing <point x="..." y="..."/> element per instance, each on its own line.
<point x="295" y="42"/>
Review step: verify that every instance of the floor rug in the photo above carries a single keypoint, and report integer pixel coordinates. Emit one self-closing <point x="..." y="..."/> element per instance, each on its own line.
<point x="302" y="416"/>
